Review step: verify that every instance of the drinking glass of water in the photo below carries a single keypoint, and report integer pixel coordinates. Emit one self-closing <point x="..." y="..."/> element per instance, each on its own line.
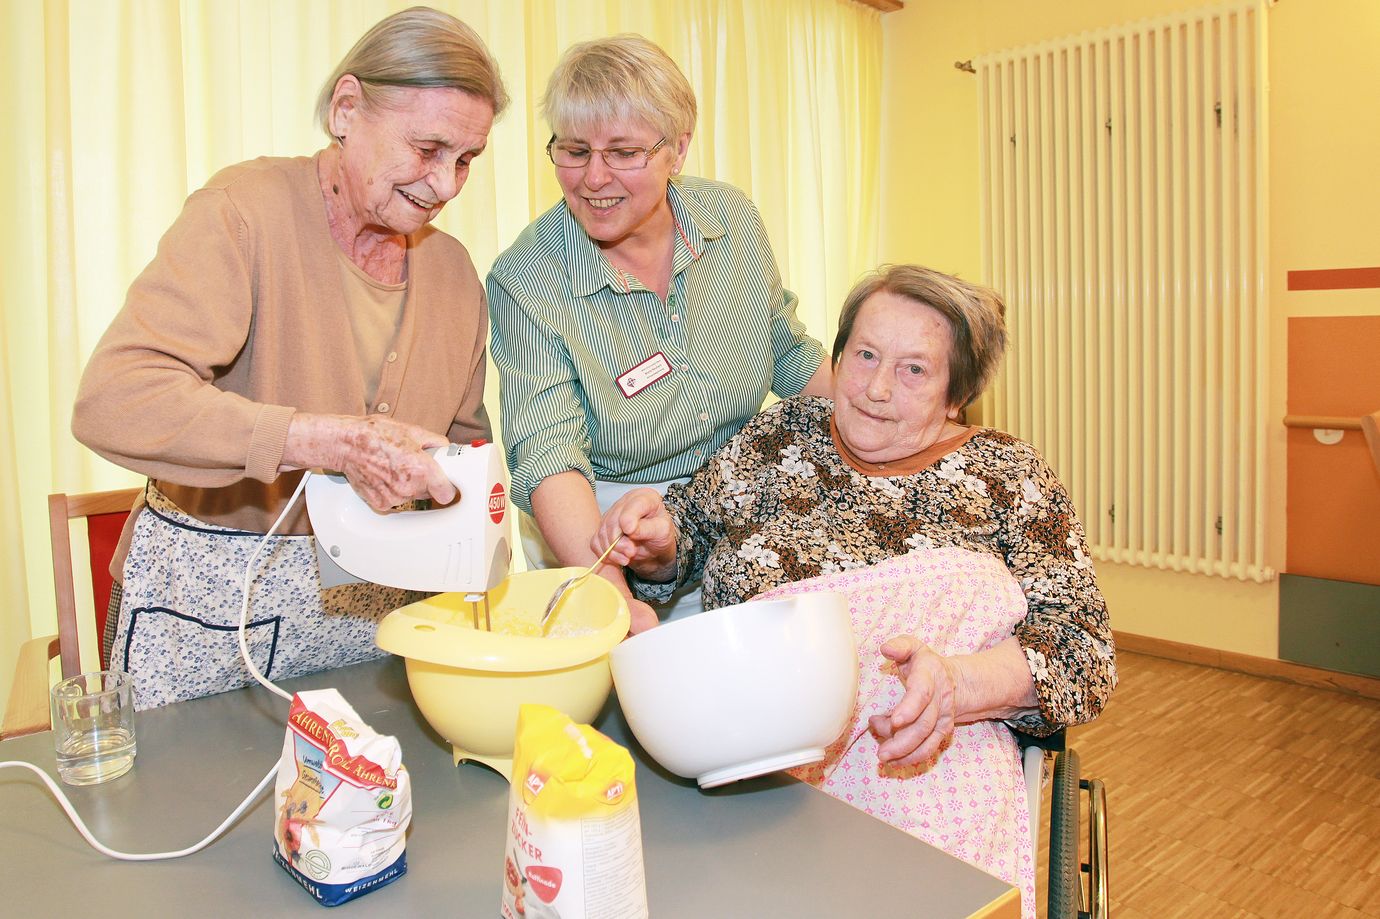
<point x="93" y="726"/>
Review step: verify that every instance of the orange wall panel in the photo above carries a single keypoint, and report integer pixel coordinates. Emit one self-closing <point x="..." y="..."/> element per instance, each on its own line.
<point x="1334" y="491"/>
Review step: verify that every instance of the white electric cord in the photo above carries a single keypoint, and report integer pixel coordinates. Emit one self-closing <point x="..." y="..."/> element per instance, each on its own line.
<point x="249" y="578"/>
<point x="140" y="856"/>
<point x="253" y="670"/>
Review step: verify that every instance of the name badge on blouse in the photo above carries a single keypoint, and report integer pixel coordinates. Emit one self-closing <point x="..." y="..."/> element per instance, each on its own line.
<point x="641" y="376"/>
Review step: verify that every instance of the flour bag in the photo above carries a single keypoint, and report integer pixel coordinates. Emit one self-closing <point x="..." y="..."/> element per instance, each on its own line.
<point x="574" y="847"/>
<point x="342" y="801"/>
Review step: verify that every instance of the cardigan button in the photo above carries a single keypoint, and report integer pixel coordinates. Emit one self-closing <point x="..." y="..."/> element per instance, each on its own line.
<point x="383" y="406"/>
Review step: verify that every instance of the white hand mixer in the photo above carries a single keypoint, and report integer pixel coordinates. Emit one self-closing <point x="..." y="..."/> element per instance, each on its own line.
<point x="462" y="547"/>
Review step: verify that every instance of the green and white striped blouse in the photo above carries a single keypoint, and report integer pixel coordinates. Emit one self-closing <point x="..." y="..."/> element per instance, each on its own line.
<point x="565" y="325"/>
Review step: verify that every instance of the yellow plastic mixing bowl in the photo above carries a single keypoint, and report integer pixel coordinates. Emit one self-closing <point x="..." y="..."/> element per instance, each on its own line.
<point x="469" y="683"/>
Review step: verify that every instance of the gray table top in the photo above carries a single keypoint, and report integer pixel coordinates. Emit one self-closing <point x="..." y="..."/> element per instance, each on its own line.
<point x="764" y="847"/>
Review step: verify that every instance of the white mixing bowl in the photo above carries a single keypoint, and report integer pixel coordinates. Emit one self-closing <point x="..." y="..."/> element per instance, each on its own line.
<point x="742" y="690"/>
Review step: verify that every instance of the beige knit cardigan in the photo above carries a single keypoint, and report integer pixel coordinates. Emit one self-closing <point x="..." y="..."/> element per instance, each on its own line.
<point x="239" y="321"/>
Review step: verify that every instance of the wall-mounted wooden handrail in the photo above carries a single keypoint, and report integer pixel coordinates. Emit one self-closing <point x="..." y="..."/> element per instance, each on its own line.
<point x="1326" y="422"/>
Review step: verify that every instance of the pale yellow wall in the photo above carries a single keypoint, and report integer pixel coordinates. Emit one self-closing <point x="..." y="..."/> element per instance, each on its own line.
<point x="1324" y="205"/>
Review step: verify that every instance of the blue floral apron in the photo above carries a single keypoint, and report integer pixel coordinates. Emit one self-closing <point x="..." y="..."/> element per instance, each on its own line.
<point x="180" y="611"/>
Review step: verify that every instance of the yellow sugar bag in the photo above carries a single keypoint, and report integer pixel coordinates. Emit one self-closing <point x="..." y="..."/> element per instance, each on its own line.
<point x="574" y="847"/>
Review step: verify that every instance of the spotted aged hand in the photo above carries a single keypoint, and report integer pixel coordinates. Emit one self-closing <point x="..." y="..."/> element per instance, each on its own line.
<point x="923" y="721"/>
<point x="384" y="460"/>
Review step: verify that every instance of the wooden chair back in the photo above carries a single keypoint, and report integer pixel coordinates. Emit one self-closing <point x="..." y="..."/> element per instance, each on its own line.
<point x="105" y="513"/>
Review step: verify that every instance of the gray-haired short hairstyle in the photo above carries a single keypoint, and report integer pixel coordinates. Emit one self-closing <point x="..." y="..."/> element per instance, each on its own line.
<point x="418" y="48"/>
<point x="976" y="317"/>
<point x="619" y="78"/>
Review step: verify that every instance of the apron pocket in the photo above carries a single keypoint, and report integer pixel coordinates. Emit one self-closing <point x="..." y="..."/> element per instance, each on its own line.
<point x="176" y="656"/>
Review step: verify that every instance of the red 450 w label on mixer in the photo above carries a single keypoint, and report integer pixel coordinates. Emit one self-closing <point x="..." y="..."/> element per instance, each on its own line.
<point x="498" y="502"/>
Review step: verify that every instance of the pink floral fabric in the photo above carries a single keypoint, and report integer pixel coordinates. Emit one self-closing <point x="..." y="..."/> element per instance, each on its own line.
<point x="970" y="801"/>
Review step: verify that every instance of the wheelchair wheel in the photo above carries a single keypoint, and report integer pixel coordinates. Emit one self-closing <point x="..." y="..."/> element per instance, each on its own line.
<point x="1065" y="877"/>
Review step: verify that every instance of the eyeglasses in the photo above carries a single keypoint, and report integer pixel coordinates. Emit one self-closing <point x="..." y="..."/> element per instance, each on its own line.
<point x="624" y="159"/>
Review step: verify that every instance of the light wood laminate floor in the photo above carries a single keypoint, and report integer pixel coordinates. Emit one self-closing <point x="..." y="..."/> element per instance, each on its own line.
<point x="1234" y="795"/>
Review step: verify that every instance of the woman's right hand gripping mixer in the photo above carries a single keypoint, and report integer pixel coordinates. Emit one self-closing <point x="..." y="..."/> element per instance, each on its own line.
<point x="463" y="547"/>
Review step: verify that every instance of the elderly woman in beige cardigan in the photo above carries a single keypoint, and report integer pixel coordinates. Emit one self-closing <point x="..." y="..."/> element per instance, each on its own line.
<point x="299" y="313"/>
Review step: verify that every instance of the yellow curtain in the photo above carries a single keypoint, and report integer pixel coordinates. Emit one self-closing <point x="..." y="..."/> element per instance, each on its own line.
<point x="115" y="111"/>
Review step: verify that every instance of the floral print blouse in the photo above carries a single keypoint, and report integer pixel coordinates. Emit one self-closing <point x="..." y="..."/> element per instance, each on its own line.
<point x="778" y="504"/>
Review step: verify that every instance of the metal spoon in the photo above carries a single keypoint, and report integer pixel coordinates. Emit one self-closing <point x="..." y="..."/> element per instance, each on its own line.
<point x="572" y="581"/>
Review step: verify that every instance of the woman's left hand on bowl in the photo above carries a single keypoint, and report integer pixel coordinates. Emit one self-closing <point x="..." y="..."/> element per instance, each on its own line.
<point x="920" y="725"/>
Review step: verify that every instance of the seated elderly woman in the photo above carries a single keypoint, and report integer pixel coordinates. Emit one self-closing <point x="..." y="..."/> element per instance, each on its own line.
<point x="974" y="603"/>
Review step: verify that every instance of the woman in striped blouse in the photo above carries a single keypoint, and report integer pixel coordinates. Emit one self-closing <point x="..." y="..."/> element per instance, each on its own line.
<point x="639" y="323"/>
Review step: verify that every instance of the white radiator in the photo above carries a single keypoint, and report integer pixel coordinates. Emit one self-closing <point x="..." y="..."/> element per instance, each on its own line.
<point x="1125" y="220"/>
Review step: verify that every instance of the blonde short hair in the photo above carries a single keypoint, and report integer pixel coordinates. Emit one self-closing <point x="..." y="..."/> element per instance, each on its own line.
<point x="417" y="48"/>
<point x="976" y="314"/>
<point x="619" y="78"/>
